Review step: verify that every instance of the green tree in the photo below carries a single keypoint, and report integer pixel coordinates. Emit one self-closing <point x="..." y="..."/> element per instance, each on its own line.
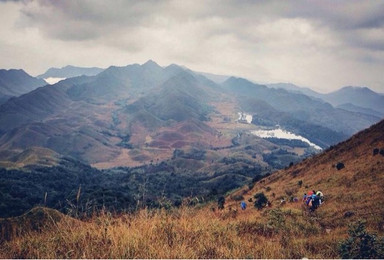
<point x="260" y="200"/>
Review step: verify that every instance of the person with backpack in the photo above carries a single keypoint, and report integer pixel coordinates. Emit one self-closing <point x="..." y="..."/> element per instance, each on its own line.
<point x="315" y="202"/>
<point x="243" y="205"/>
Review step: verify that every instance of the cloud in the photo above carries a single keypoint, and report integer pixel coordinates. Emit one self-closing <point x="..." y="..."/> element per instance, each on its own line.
<point x="325" y="44"/>
<point x="98" y="20"/>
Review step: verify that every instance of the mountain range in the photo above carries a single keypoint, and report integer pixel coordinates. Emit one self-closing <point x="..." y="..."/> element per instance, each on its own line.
<point x="355" y="99"/>
<point x="70" y="71"/>
<point x="142" y="114"/>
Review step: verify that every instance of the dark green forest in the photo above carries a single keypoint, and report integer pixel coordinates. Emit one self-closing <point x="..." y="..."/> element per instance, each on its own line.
<point x="76" y="188"/>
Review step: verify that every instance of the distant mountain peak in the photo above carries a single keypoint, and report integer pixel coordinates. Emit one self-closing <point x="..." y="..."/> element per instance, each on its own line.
<point x="13" y="71"/>
<point x="356" y="90"/>
<point x="359" y="96"/>
<point x="173" y="65"/>
<point x="15" y="82"/>
<point x="151" y="63"/>
<point x="70" y="71"/>
<point x="241" y="82"/>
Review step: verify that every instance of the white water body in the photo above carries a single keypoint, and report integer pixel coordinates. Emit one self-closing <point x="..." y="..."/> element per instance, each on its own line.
<point x="282" y="134"/>
<point x="245" y="117"/>
<point x="52" y="81"/>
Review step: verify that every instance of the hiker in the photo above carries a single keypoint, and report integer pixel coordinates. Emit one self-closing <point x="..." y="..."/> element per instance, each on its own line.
<point x="313" y="199"/>
<point x="243" y="205"/>
<point x="321" y="197"/>
<point x="310" y="196"/>
<point x="309" y="199"/>
<point x="305" y="197"/>
<point x="315" y="202"/>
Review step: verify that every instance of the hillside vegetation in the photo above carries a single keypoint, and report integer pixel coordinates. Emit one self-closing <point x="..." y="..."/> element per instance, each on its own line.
<point x="283" y="230"/>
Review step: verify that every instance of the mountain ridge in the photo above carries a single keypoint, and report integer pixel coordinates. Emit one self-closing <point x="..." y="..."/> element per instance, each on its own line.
<point x="363" y="99"/>
<point x="15" y="82"/>
<point x="70" y="71"/>
<point x="126" y="116"/>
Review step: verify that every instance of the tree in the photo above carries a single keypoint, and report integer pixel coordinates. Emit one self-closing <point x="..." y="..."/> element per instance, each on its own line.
<point x="339" y="166"/>
<point x="260" y="200"/>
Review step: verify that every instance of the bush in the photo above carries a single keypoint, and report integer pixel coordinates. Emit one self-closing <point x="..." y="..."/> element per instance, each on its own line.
<point x="257" y="178"/>
<point x="238" y="197"/>
<point x="221" y="202"/>
<point x="375" y="151"/>
<point x="339" y="166"/>
<point x="260" y="200"/>
<point x="361" y="244"/>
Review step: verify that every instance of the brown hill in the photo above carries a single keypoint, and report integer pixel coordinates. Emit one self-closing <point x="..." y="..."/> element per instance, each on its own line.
<point x="352" y="192"/>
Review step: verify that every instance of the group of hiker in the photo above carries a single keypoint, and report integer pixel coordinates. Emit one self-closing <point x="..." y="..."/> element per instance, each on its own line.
<point x="313" y="199"/>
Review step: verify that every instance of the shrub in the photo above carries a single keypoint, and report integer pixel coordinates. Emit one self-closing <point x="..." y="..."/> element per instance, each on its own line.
<point x="238" y="197"/>
<point x="257" y="178"/>
<point x="375" y="151"/>
<point x="276" y="219"/>
<point x="349" y="214"/>
<point x="221" y="202"/>
<point x="260" y="200"/>
<point x="339" y="166"/>
<point x="361" y="244"/>
<point x="290" y="192"/>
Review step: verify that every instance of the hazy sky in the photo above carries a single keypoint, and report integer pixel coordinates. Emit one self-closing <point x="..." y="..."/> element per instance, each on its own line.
<point x="323" y="44"/>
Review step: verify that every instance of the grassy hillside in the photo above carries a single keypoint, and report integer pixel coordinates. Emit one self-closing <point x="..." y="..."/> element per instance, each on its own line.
<point x="283" y="230"/>
<point x="31" y="157"/>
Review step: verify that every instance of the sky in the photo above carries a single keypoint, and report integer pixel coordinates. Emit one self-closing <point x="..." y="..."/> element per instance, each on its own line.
<point x="323" y="45"/>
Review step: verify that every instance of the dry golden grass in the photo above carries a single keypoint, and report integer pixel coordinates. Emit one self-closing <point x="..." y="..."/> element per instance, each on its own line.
<point x="182" y="233"/>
